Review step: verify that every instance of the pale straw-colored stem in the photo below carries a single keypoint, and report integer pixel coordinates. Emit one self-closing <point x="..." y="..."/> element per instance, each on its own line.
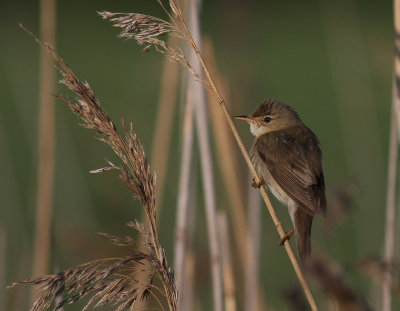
<point x="392" y="167"/>
<point x="46" y="150"/>
<point x="390" y="205"/>
<point x="190" y="256"/>
<point x="275" y="219"/>
<point x="181" y="231"/>
<point x="252" y="298"/>
<point x="203" y="137"/>
<point x="164" y="122"/>
<point x="396" y="11"/>
<point x="228" y="276"/>
<point x="190" y="272"/>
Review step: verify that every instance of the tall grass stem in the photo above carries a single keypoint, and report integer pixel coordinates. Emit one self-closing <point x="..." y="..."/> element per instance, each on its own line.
<point x="203" y="137"/>
<point x="182" y="220"/>
<point x="164" y="122"/>
<point x="390" y="205"/>
<point x="46" y="145"/>
<point x="252" y="288"/>
<point x="227" y="265"/>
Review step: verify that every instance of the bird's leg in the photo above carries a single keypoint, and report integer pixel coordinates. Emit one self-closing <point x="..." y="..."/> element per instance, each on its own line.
<point x="258" y="183"/>
<point x="287" y="236"/>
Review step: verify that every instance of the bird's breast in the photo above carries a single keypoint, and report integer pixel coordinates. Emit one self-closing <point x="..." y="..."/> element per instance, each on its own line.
<point x="273" y="186"/>
<point x="263" y="172"/>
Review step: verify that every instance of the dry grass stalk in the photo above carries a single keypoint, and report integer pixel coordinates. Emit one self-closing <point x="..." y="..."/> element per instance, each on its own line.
<point x="254" y="297"/>
<point x="46" y="146"/>
<point x="190" y="271"/>
<point x="396" y="11"/>
<point x="164" y="122"/>
<point x="206" y="162"/>
<point x="131" y="28"/>
<point x="227" y="267"/>
<point x="390" y="204"/>
<point x="186" y="168"/>
<point x="190" y="277"/>
<point x="111" y="280"/>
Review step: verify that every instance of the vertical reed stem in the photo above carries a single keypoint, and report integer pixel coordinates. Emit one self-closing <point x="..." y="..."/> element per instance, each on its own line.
<point x="390" y="206"/>
<point x="203" y="136"/>
<point x="164" y="122"/>
<point x="229" y="280"/>
<point x="253" y="250"/>
<point x="181" y="231"/>
<point x="392" y="167"/>
<point x="46" y="152"/>
<point x="396" y="11"/>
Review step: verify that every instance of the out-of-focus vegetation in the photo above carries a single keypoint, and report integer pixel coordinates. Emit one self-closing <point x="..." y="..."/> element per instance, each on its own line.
<point x="331" y="62"/>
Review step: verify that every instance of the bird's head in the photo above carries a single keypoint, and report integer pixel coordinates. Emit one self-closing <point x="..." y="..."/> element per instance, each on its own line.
<point x="271" y="116"/>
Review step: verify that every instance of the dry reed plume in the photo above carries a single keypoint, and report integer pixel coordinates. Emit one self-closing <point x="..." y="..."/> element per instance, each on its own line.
<point x="146" y="30"/>
<point x="111" y="280"/>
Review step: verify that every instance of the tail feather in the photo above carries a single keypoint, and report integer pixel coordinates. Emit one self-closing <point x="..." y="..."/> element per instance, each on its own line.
<point x="302" y="224"/>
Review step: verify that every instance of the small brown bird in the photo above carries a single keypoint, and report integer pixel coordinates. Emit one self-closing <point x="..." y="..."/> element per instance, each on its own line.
<point x="287" y="156"/>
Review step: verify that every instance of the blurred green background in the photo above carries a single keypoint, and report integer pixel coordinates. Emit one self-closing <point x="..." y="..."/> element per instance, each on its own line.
<point x="330" y="60"/>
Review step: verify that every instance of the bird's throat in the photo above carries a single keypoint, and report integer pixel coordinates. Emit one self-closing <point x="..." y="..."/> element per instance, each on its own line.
<point x="257" y="130"/>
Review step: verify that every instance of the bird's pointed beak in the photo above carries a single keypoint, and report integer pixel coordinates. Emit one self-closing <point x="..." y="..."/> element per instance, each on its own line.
<point x="244" y="118"/>
<point x="248" y="119"/>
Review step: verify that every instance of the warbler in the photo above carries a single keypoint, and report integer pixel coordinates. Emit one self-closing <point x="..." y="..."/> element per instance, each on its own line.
<point x="287" y="157"/>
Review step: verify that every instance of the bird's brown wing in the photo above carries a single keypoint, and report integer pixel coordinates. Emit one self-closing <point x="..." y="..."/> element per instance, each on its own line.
<point x="290" y="164"/>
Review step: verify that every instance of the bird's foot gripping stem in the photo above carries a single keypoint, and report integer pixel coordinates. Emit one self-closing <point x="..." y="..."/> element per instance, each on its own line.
<point x="258" y="183"/>
<point x="287" y="236"/>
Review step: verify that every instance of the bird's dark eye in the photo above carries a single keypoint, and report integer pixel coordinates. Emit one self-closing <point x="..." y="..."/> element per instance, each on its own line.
<point x="267" y="119"/>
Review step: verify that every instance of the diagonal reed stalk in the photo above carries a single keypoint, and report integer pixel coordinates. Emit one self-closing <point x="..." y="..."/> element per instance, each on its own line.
<point x="146" y="30"/>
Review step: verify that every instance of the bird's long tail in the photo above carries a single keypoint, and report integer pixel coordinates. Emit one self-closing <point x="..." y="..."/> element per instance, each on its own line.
<point x="302" y="224"/>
